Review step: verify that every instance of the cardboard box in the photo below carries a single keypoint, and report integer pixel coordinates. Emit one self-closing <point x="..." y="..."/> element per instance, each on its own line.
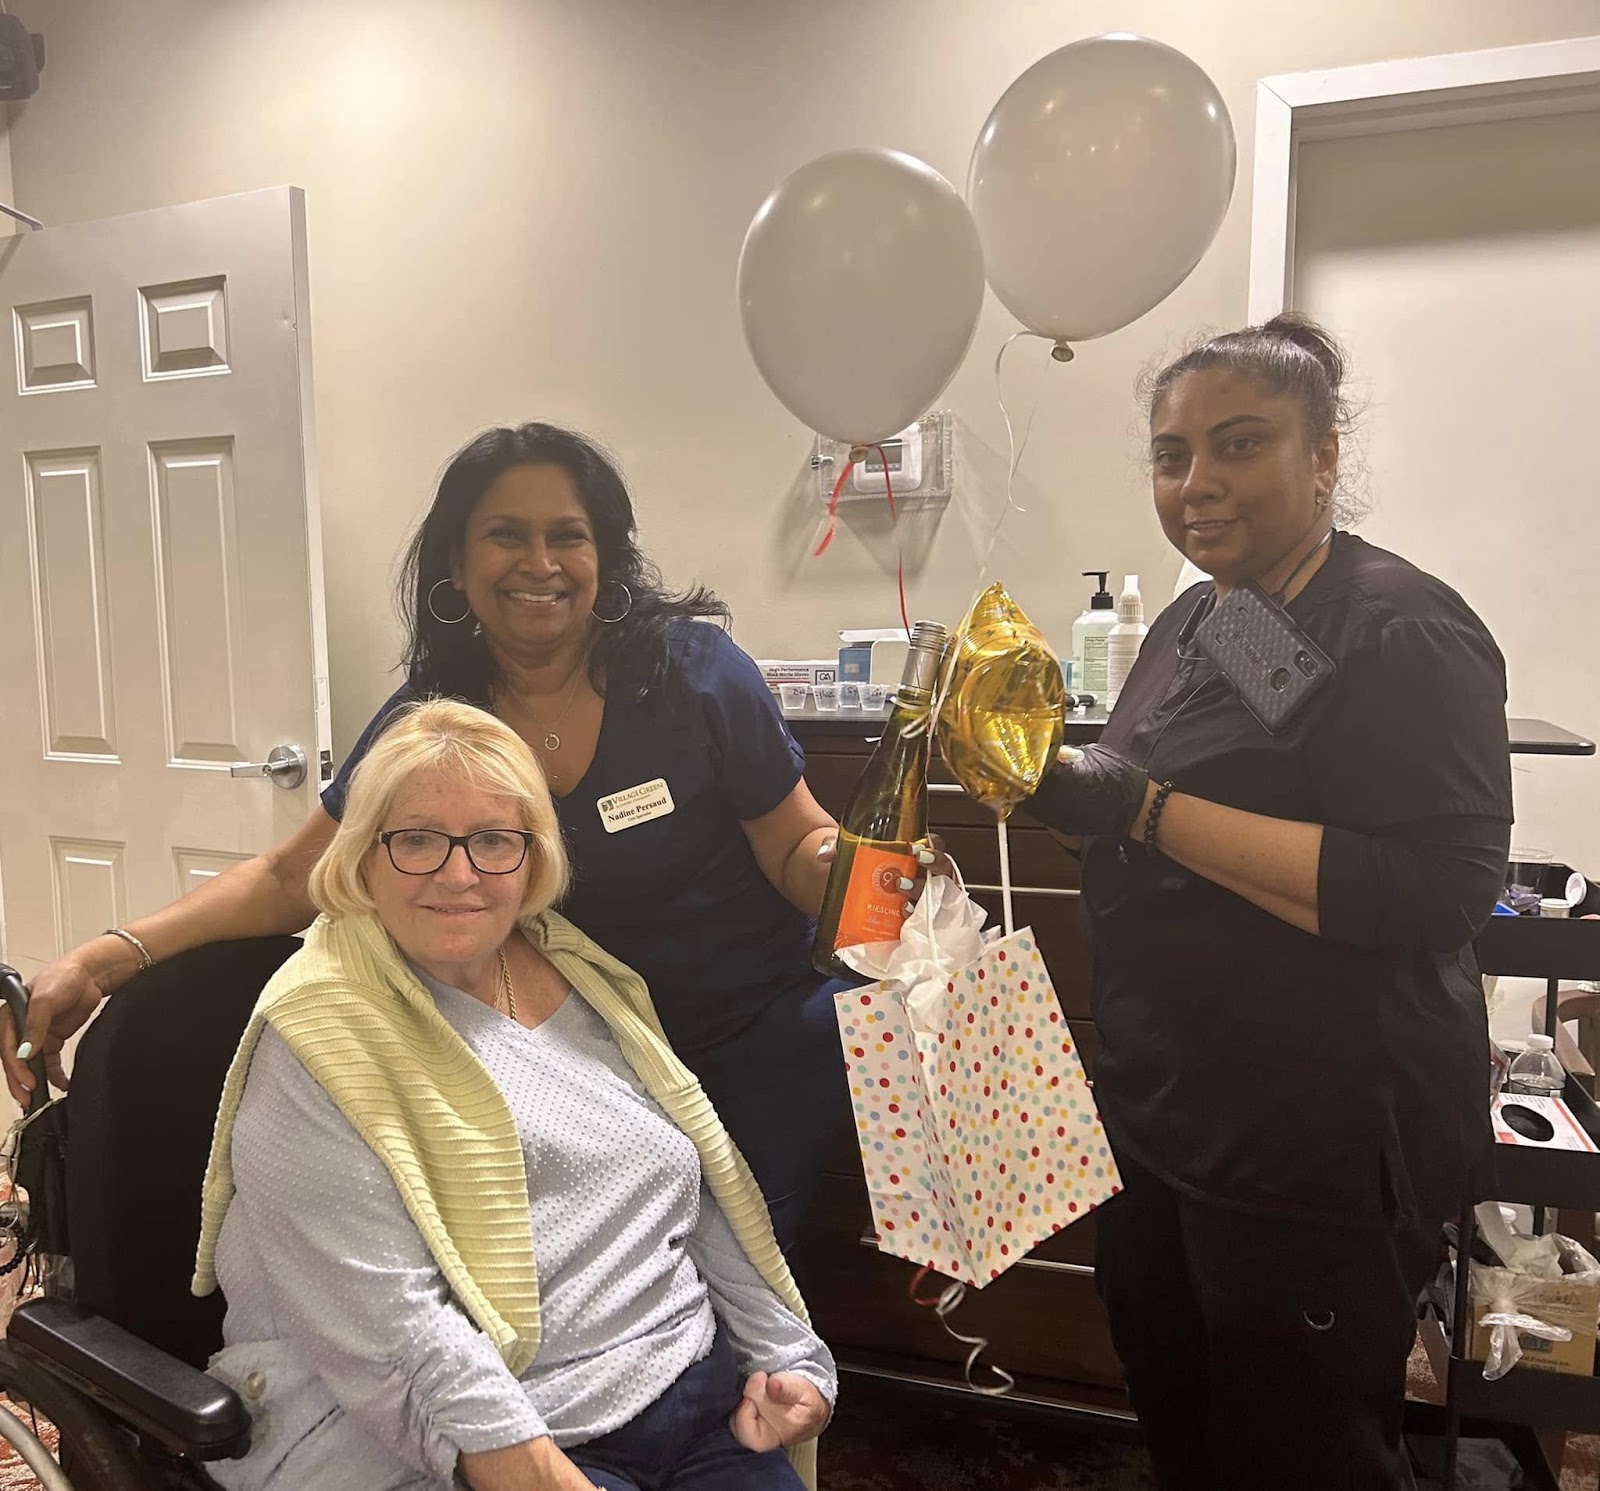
<point x="809" y="671"/>
<point x="855" y="663"/>
<point x="857" y="649"/>
<point x="1564" y="1302"/>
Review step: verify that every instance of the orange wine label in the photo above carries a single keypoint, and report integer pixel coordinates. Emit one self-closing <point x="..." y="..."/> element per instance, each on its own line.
<point x="873" y="901"/>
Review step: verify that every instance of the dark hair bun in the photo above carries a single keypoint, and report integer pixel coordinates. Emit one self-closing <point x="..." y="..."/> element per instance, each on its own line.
<point x="1303" y="332"/>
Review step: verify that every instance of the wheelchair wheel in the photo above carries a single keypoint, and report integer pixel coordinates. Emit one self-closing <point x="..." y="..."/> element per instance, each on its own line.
<point x="92" y="1453"/>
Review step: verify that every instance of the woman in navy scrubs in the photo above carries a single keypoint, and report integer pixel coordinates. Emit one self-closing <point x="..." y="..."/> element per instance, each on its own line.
<point x="698" y="852"/>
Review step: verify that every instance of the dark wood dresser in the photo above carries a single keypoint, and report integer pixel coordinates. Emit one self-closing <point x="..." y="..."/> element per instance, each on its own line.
<point x="1043" y="1321"/>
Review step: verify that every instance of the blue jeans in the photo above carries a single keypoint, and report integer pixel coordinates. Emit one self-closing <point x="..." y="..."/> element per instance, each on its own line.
<point x="780" y="1088"/>
<point x="682" y="1442"/>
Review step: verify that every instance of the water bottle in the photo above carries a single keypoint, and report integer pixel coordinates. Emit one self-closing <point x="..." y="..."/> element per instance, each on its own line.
<point x="1537" y="1073"/>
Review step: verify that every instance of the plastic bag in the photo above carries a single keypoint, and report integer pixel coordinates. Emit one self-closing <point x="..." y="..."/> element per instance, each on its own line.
<point x="1507" y="1290"/>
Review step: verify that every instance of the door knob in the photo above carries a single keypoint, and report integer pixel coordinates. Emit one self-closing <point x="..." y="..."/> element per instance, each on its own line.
<point x="285" y="766"/>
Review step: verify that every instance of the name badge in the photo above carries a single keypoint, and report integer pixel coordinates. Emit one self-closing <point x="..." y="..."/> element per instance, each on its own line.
<point x="636" y="805"/>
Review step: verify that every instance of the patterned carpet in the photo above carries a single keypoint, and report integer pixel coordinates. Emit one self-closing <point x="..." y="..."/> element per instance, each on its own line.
<point x="882" y="1439"/>
<point x="887" y="1440"/>
<point x="14" y="1475"/>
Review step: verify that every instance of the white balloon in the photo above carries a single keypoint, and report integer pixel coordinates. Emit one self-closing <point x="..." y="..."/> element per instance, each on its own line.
<point x="860" y="283"/>
<point x="1098" y="181"/>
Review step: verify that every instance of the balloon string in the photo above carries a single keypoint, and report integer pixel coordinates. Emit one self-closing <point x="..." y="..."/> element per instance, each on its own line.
<point x="1013" y="449"/>
<point x="944" y="1304"/>
<point x="899" y="552"/>
<point x="833" y="508"/>
<point x="1013" y="464"/>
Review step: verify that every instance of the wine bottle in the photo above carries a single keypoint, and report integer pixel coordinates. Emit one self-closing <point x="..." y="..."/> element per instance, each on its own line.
<point x="887" y="814"/>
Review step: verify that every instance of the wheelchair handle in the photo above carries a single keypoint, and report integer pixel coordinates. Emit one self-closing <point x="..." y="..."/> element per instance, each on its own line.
<point x="15" y="994"/>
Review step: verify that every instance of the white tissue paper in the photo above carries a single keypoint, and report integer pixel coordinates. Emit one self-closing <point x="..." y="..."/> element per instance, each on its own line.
<point x="943" y="933"/>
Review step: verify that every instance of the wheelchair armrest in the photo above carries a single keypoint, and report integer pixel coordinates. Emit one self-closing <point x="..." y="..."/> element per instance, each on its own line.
<point x="187" y="1411"/>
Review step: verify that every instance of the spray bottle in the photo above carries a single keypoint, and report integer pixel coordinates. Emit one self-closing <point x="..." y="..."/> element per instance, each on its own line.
<point x="1124" y="639"/>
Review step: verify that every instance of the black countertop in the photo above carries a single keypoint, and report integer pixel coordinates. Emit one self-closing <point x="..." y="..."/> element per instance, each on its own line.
<point x="1528" y="737"/>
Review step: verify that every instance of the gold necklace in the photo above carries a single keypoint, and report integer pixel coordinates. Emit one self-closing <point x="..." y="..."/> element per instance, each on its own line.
<point x="506" y="988"/>
<point x="552" y="741"/>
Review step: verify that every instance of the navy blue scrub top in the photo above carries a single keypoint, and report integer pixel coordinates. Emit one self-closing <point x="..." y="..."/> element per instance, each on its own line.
<point x="681" y="898"/>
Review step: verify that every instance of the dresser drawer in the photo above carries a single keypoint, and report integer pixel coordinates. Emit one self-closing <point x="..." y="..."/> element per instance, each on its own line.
<point x="1042" y="1317"/>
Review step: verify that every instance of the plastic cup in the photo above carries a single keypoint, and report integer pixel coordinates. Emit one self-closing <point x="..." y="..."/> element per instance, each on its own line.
<point x="826" y="696"/>
<point x="849" y="696"/>
<point x="1527" y="872"/>
<point x="793" y="697"/>
<point x="874" y="695"/>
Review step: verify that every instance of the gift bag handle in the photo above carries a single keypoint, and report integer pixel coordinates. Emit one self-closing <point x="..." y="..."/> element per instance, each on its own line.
<point x="1006" y="913"/>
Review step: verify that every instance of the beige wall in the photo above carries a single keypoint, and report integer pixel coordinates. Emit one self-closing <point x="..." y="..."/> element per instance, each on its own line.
<point x="7" y="224"/>
<point x="522" y="208"/>
<point x="1464" y="264"/>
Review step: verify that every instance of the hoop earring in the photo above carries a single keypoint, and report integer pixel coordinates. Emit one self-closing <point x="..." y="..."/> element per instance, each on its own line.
<point x="446" y="620"/>
<point x="627" y="605"/>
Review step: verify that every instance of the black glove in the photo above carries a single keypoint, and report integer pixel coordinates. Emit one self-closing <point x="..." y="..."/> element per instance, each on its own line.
<point x="1095" y="791"/>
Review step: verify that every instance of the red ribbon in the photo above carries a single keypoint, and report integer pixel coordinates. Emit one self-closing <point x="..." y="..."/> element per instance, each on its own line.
<point x="833" y="523"/>
<point x="833" y="508"/>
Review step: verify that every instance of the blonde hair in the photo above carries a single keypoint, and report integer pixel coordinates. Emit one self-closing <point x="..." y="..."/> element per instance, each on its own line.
<point x="467" y="745"/>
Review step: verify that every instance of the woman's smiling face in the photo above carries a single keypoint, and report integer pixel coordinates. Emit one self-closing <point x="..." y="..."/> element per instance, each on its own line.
<point x="528" y="562"/>
<point x="1238" y="486"/>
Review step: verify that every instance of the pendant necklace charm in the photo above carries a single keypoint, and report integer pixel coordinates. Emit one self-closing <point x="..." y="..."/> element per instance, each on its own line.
<point x="552" y="741"/>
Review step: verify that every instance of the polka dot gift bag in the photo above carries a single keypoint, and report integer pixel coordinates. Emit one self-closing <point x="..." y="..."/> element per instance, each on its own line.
<point x="979" y="1136"/>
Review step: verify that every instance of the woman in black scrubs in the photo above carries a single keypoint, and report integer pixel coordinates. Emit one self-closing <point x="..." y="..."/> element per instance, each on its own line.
<point x="1293" y="1042"/>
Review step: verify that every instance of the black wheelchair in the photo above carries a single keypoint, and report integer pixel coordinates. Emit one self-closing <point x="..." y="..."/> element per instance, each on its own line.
<point x="107" y="1356"/>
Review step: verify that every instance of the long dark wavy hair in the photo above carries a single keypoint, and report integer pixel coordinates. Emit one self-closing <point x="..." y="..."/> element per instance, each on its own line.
<point x="629" y="657"/>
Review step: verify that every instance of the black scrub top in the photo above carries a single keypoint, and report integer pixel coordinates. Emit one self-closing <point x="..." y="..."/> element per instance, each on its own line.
<point x="1245" y="1061"/>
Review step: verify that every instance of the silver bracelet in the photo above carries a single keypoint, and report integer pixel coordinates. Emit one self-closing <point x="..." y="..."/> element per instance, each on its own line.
<point x="145" y="960"/>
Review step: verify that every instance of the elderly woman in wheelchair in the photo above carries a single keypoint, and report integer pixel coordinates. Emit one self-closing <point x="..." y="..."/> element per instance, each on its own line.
<point x="474" y="1221"/>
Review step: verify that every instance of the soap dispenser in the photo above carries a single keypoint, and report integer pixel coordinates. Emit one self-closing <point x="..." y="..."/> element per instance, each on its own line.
<point x="1089" y="634"/>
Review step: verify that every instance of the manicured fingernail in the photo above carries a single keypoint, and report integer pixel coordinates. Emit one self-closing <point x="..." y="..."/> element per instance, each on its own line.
<point x="25" y="1050"/>
<point x="907" y="884"/>
<point x="825" y="847"/>
<point x="926" y="856"/>
<point x="909" y="908"/>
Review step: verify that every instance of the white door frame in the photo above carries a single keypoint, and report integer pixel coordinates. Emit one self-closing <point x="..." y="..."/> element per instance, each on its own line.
<point x="1553" y="77"/>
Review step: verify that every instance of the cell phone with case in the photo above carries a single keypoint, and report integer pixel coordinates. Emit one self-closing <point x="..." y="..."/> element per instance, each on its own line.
<point x="1273" y="666"/>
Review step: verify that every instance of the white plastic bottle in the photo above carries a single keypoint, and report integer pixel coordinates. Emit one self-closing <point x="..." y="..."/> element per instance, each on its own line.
<point x="1089" y="634"/>
<point x="1124" y="639"/>
<point x="1538" y="1071"/>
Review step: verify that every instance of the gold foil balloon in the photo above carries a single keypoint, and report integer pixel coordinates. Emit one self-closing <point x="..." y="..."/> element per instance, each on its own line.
<point x="1000" y="726"/>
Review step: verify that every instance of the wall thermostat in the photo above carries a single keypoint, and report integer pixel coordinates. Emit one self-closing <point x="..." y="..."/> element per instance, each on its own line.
<point x="919" y="461"/>
<point x="903" y="456"/>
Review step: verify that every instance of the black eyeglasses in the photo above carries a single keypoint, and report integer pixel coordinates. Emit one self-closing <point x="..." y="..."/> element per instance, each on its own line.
<point x="424" y="851"/>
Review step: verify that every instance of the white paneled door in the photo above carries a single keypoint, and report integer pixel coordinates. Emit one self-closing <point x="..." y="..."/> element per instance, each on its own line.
<point x="161" y="607"/>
